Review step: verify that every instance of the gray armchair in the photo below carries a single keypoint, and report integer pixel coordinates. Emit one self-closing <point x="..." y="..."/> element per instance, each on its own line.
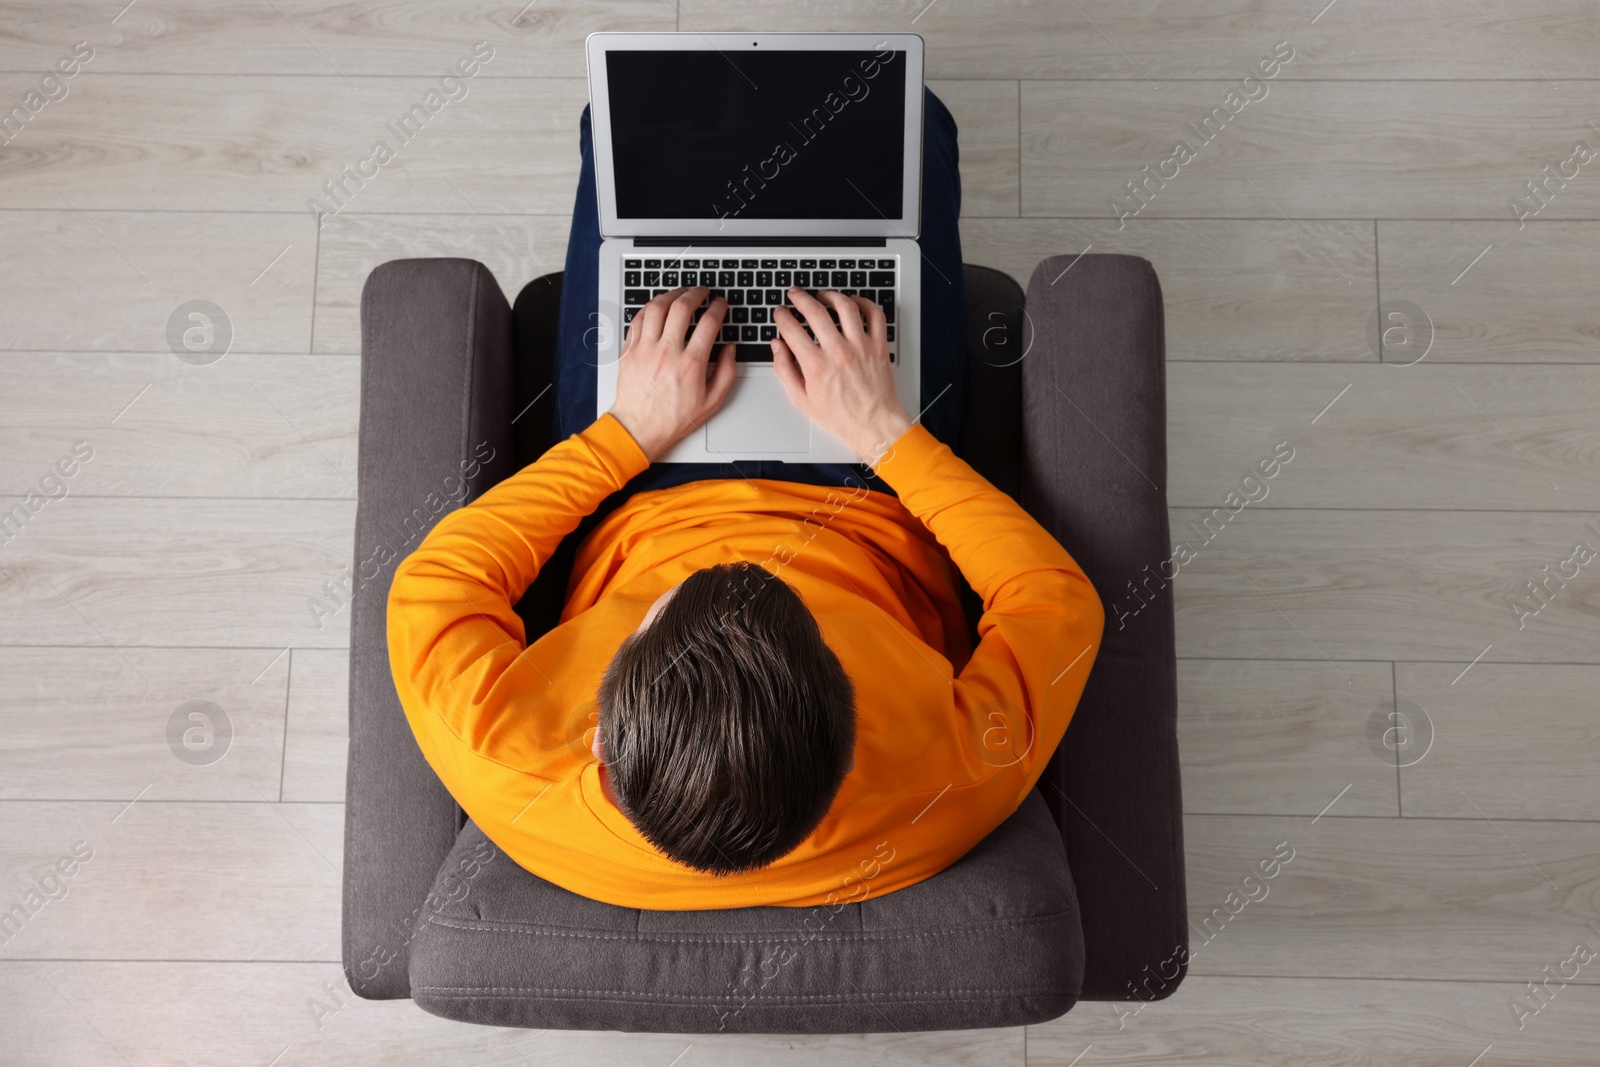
<point x="1079" y="895"/>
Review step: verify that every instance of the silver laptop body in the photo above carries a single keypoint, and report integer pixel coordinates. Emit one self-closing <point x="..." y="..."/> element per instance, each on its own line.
<point x="749" y="163"/>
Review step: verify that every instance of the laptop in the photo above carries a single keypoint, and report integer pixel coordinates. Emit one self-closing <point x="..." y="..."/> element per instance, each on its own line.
<point x="748" y="163"/>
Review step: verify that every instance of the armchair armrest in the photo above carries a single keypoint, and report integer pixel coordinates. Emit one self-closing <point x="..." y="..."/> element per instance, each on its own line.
<point x="436" y="395"/>
<point x="1094" y="470"/>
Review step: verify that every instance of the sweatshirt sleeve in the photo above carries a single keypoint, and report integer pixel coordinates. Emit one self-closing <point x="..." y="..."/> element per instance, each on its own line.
<point x="453" y="630"/>
<point x="1042" y="619"/>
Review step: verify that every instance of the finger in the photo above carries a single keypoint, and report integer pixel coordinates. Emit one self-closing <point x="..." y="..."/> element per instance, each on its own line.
<point x="654" y="314"/>
<point x="723" y="377"/>
<point x="849" y="314"/>
<point x="877" y="325"/>
<point x="788" y="371"/>
<point x="680" y="312"/>
<point x="705" y="331"/>
<point x="815" y="313"/>
<point x="799" y="346"/>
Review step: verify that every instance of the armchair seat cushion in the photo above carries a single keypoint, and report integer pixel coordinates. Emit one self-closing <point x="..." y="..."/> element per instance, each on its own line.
<point x="993" y="940"/>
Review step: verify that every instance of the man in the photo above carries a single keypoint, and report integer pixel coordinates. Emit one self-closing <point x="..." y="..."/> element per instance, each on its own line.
<point x="761" y="689"/>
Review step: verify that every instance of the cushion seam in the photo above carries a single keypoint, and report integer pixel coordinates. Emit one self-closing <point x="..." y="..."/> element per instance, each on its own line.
<point x="1055" y="918"/>
<point x="497" y="991"/>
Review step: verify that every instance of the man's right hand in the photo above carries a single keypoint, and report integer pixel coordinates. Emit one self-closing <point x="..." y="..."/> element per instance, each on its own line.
<point x="843" y="380"/>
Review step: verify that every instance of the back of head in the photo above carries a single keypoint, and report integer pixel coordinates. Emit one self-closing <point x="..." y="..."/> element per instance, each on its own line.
<point x="727" y="724"/>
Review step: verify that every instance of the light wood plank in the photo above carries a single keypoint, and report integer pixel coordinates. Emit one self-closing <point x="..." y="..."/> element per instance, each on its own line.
<point x="1405" y="585"/>
<point x="1352" y="1022"/>
<point x="93" y="572"/>
<point x="1510" y="741"/>
<point x="304" y="37"/>
<point x="1103" y="39"/>
<point x="1389" y="898"/>
<point x="79" y="724"/>
<point x="225" y="881"/>
<point x="987" y="119"/>
<point x="1011" y="39"/>
<point x="1529" y="298"/>
<point x="1276" y="300"/>
<point x="316" y="748"/>
<point x="1312" y="149"/>
<point x="258" y="143"/>
<point x="1260" y="738"/>
<point x="77" y="1013"/>
<point x="247" y="425"/>
<point x="112" y="280"/>
<point x="515" y="249"/>
<point x="1423" y="436"/>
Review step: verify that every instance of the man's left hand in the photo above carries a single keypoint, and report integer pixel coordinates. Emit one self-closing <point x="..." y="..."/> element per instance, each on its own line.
<point x="662" y="389"/>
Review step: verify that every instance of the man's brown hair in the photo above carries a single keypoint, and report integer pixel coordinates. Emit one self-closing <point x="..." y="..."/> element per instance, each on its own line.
<point x="727" y="724"/>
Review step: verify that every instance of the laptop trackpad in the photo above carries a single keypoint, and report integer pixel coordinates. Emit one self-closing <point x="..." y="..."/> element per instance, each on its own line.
<point x="758" y="417"/>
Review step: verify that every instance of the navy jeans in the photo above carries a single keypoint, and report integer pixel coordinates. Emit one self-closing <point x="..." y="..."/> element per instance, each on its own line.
<point x="944" y="325"/>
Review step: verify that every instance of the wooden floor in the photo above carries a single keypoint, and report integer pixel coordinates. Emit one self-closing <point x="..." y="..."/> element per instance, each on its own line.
<point x="1383" y="565"/>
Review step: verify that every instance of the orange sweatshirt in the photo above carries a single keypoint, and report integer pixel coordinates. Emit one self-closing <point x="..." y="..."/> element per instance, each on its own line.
<point x="949" y="740"/>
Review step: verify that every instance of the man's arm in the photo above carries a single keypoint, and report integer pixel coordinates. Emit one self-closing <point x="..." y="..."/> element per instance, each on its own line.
<point x="1042" y="620"/>
<point x="452" y="627"/>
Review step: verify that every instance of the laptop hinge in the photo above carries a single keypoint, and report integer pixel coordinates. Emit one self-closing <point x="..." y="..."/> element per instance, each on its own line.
<point x="679" y="242"/>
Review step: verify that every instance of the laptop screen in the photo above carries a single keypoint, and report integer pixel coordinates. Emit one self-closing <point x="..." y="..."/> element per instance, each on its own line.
<point x="768" y="135"/>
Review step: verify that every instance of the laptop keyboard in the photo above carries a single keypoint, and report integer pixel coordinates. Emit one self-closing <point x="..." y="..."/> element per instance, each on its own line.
<point x="755" y="286"/>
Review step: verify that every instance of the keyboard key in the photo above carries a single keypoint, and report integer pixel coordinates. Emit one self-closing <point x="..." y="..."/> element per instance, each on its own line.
<point x="747" y="278"/>
<point x="652" y="278"/>
<point x="716" y="293"/>
<point x="827" y="264"/>
<point x="891" y="333"/>
<point x="886" y="301"/>
<point x="749" y="333"/>
<point x="657" y="292"/>
<point x="670" y="279"/>
<point x="802" y="278"/>
<point x="858" y="278"/>
<point x="839" y="279"/>
<point x="631" y="278"/>
<point x="652" y="264"/>
<point x="635" y="296"/>
<point x="848" y="292"/>
<point x="763" y="277"/>
<point x="730" y="333"/>
<point x="739" y="314"/>
<point x="725" y="279"/>
<point x="787" y="264"/>
<point x="846" y="264"/>
<point x="627" y="315"/>
<point x="753" y="354"/>
<point x="631" y="264"/>
<point x="783" y="279"/>
<point x="807" y="264"/>
<point x="883" y="279"/>
<point x="769" y="264"/>
<point x="748" y="264"/>
<point x="773" y="296"/>
<point x="735" y="296"/>
<point x="768" y="332"/>
<point x="886" y="264"/>
<point x="757" y="314"/>
<point x="691" y="263"/>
